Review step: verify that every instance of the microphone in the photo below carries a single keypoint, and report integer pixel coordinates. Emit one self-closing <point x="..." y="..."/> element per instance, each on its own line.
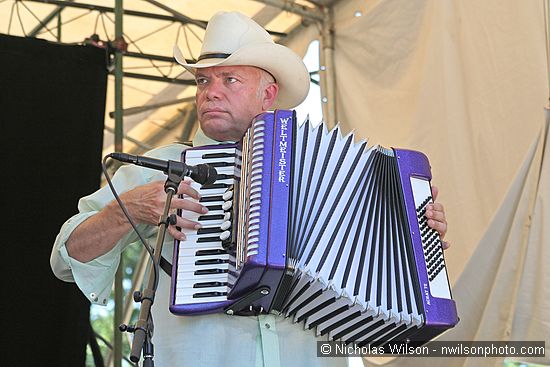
<point x="201" y="173"/>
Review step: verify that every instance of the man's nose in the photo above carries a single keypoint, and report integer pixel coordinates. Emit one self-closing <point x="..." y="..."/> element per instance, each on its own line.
<point x="213" y="90"/>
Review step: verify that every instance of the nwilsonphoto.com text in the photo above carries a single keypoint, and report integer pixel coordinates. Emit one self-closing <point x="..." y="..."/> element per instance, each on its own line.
<point x="435" y="349"/>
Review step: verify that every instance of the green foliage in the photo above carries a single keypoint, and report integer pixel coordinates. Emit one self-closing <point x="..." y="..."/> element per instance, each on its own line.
<point x="102" y="316"/>
<point x="512" y="363"/>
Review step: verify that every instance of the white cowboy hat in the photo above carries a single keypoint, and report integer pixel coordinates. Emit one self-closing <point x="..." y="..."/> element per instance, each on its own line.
<point x="232" y="38"/>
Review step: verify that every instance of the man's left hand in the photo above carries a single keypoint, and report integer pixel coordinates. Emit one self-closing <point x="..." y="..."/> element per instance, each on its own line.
<point x="436" y="217"/>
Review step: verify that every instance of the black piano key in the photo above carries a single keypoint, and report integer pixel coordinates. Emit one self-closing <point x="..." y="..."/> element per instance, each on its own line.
<point x="218" y="155"/>
<point x="209" y="230"/>
<point x="221" y="185"/>
<point x="224" y="176"/>
<point x="209" y="199"/>
<point x="210" y="217"/>
<point x="226" y="244"/>
<point x="221" y="164"/>
<point x="217" y="251"/>
<point x="214" y="207"/>
<point x="211" y="261"/>
<point x="208" y="239"/>
<point x="209" y="294"/>
<point x="209" y="284"/>
<point x="210" y="271"/>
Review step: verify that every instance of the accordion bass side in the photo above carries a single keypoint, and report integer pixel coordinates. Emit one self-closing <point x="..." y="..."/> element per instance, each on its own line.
<point x="311" y="225"/>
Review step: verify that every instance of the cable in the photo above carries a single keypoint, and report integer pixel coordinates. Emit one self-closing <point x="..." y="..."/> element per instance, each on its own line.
<point x="11" y="16"/>
<point x="67" y="22"/>
<point x="104" y="26"/>
<point x="194" y="34"/>
<point x="149" y="249"/>
<point x="39" y="21"/>
<point x="96" y="22"/>
<point x="187" y="42"/>
<point x="20" y="20"/>
<point x="153" y="32"/>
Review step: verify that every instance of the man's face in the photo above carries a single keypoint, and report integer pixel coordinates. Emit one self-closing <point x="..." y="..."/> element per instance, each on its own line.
<point x="228" y="98"/>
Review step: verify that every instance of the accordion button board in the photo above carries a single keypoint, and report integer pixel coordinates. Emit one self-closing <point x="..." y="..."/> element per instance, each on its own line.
<point x="312" y="225"/>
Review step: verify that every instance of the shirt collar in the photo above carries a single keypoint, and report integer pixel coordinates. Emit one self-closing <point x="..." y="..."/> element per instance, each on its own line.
<point x="201" y="139"/>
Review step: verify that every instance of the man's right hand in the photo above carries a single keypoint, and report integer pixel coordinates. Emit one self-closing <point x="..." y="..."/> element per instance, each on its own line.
<point x="99" y="234"/>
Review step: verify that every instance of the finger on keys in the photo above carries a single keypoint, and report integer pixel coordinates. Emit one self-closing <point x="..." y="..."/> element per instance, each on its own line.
<point x="186" y="189"/>
<point x="185" y="223"/>
<point x="176" y="233"/>
<point x="190" y="205"/>
<point x="440" y="227"/>
<point x="436" y="212"/>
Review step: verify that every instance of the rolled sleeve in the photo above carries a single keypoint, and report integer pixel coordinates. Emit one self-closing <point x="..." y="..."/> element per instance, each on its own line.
<point x="95" y="278"/>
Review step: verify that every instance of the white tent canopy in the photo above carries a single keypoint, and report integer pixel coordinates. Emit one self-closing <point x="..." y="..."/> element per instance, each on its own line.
<point x="466" y="82"/>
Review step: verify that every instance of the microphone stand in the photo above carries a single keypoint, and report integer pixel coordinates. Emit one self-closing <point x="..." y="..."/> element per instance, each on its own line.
<point x="143" y="329"/>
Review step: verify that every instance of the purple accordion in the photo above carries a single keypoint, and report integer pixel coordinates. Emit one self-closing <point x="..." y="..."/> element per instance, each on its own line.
<point x="312" y="225"/>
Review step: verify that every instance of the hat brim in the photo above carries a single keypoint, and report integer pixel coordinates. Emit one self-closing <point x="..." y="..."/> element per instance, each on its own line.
<point x="287" y="68"/>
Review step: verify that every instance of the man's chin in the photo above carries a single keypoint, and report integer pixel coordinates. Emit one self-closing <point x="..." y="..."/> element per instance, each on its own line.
<point x="218" y="129"/>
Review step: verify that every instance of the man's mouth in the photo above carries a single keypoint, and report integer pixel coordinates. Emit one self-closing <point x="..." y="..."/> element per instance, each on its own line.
<point x="213" y="111"/>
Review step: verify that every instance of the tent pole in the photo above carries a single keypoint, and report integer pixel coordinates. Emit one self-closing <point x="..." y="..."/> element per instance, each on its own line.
<point x="119" y="133"/>
<point x="328" y="81"/>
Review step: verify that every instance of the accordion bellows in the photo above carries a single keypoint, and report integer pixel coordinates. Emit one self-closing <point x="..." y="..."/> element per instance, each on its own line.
<point x="312" y="225"/>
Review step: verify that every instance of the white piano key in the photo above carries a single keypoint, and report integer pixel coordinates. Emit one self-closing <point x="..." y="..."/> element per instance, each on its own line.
<point x="212" y="278"/>
<point x="196" y="278"/>
<point x="188" y="300"/>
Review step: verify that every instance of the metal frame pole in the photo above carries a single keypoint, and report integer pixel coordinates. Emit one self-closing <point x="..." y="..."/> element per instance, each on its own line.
<point x="59" y="23"/>
<point x="119" y="134"/>
<point x="327" y="72"/>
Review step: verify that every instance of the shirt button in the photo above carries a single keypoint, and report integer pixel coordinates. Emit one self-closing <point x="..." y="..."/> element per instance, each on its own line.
<point x="267" y="326"/>
<point x="93" y="297"/>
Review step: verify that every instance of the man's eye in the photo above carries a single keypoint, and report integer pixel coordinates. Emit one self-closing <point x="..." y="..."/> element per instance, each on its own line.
<point x="200" y="81"/>
<point x="231" y="79"/>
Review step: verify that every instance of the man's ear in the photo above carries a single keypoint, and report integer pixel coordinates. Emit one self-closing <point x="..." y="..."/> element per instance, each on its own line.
<point x="270" y="94"/>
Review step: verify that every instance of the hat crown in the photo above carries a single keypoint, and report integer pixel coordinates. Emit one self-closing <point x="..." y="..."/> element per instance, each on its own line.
<point x="233" y="39"/>
<point x="227" y="32"/>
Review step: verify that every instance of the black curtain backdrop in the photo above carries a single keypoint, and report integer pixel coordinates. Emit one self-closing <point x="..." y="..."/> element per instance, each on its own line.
<point x="52" y="106"/>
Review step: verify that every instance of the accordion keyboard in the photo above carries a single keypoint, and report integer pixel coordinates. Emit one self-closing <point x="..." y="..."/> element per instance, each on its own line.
<point x="203" y="259"/>
<point x="431" y="243"/>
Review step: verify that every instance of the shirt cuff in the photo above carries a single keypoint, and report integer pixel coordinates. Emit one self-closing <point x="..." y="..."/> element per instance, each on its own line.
<point x="93" y="278"/>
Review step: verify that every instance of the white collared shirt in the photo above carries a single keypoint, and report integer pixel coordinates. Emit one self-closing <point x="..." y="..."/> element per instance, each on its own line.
<point x="205" y="340"/>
